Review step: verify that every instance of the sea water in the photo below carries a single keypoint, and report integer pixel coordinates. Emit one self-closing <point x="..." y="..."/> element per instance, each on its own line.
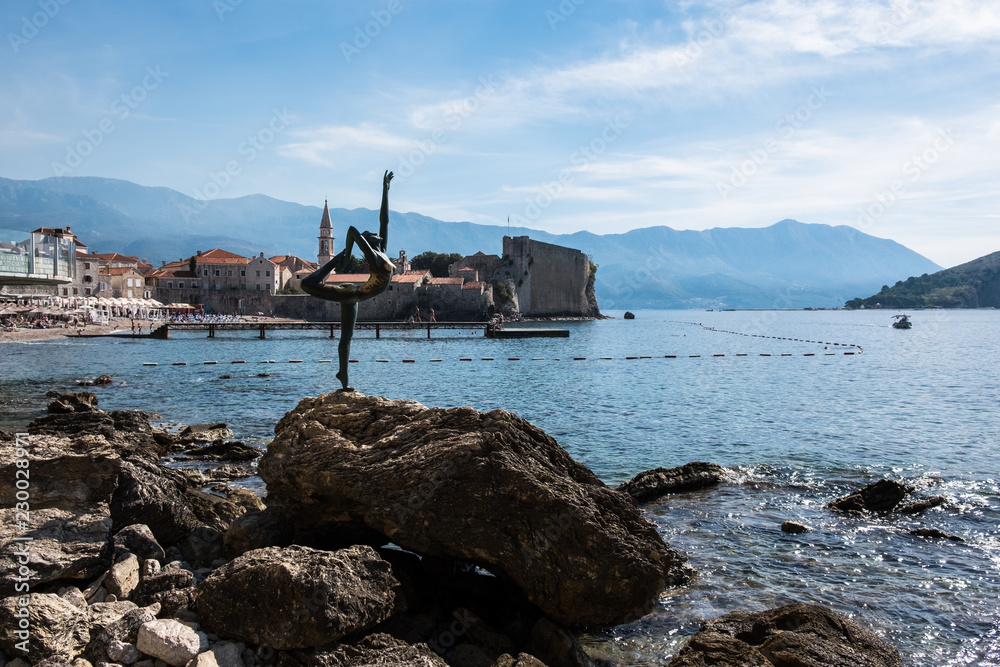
<point x="841" y="399"/>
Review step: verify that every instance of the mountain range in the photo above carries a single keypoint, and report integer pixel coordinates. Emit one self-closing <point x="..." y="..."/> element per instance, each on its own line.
<point x="787" y="265"/>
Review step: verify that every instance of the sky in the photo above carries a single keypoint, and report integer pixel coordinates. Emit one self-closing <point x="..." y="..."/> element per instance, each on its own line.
<point x="561" y="115"/>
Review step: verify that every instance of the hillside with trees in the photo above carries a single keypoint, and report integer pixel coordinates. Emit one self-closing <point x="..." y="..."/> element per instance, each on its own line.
<point x="975" y="284"/>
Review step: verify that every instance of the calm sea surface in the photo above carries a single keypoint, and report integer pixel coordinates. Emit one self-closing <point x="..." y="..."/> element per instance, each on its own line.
<point x="793" y="432"/>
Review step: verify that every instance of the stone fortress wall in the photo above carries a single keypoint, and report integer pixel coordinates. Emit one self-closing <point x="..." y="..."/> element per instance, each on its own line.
<point x="549" y="280"/>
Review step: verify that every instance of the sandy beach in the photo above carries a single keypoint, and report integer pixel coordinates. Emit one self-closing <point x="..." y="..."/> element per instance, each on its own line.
<point x="25" y="334"/>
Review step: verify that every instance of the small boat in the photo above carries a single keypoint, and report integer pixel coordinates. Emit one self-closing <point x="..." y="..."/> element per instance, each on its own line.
<point x="902" y="322"/>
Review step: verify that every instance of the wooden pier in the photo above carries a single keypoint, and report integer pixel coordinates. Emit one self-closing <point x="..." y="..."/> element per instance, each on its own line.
<point x="212" y="328"/>
<point x="526" y="333"/>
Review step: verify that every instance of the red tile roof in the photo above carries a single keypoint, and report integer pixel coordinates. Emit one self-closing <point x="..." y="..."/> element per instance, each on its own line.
<point x="167" y="272"/>
<point x="447" y="281"/>
<point x="410" y="277"/>
<point x="115" y="257"/>
<point x="219" y="256"/>
<point x="473" y="284"/>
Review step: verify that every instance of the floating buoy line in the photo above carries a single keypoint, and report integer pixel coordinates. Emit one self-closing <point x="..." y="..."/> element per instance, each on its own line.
<point x="857" y="347"/>
<point x="438" y="360"/>
<point x="855" y="350"/>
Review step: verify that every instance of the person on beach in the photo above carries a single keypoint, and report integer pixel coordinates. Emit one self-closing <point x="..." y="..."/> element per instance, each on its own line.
<point x="373" y="247"/>
<point x="416" y="314"/>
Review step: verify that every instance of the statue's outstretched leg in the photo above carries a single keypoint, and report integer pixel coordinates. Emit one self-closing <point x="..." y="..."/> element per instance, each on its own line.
<point x="348" y="317"/>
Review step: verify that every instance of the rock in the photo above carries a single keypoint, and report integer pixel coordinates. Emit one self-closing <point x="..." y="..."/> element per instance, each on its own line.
<point x="126" y="431"/>
<point x="139" y="539"/>
<point x="48" y="626"/>
<point x="176" y="602"/>
<point x="99" y="381"/>
<point x="629" y="315"/>
<point x="150" y="588"/>
<point x="123" y="653"/>
<point x="522" y="660"/>
<point x="270" y="527"/>
<point x="377" y="649"/>
<point x="796" y="634"/>
<point x="203" y="545"/>
<point x="659" y="482"/>
<point x="150" y="566"/>
<point x="487" y="488"/>
<point x="64" y="545"/>
<point x="171" y="641"/>
<point x="794" y="527"/>
<point x="123" y="576"/>
<point x="297" y="597"/>
<point x="74" y="596"/>
<point x="556" y="647"/>
<point x="221" y="450"/>
<point x="123" y="628"/>
<point x="469" y="655"/>
<point x="80" y="662"/>
<point x="206" y="659"/>
<point x="165" y="501"/>
<point x="84" y="401"/>
<point x="205" y="433"/>
<point x="70" y="474"/>
<point x="227" y="654"/>
<point x="243" y="498"/>
<point x="921" y="505"/>
<point x="881" y="496"/>
<point x="936" y="534"/>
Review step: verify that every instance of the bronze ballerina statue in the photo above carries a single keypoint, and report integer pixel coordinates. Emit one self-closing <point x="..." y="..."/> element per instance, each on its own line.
<point x="381" y="267"/>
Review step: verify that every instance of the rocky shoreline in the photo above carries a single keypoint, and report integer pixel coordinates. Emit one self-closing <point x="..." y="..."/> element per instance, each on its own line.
<point x="391" y="534"/>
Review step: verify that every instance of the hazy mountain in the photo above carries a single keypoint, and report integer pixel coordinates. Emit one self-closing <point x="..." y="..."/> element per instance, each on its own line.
<point x="786" y="265"/>
<point x="975" y="284"/>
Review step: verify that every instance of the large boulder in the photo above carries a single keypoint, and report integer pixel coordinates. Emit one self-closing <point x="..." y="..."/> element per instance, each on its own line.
<point x="653" y="484"/>
<point x="45" y="626"/>
<point x="64" y="545"/>
<point x="167" y="502"/>
<point x="488" y="488"/>
<point x="297" y="597"/>
<point x="796" y="634"/>
<point x="68" y="473"/>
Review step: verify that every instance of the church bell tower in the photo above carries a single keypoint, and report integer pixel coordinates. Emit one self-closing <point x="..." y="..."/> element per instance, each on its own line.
<point x="325" y="237"/>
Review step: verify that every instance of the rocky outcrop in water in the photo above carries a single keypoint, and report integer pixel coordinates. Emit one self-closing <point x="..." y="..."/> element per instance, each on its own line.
<point x="659" y="482"/>
<point x="488" y="488"/>
<point x="108" y="588"/>
<point x="796" y="634"/>
<point x="883" y="497"/>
